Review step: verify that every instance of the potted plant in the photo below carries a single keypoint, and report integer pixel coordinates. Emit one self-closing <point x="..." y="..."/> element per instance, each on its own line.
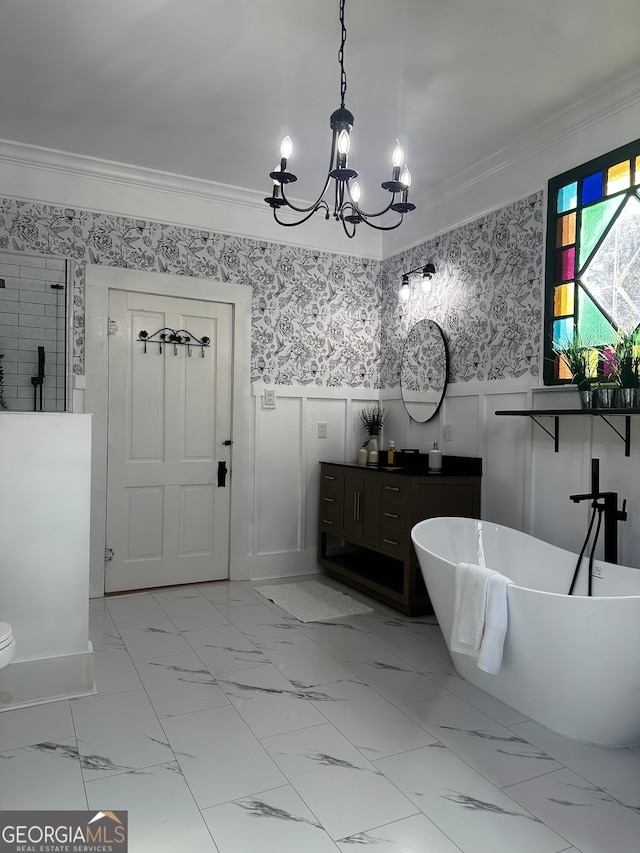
<point x="621" y="363"/>
<point x="372" y="418"/>
<point x="578" y="357"/>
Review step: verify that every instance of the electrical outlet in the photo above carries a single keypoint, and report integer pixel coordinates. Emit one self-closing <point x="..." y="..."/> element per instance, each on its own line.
<point x="448" y="432"/>
<point x="269" y="399"/>
<point x="322" y="429"/>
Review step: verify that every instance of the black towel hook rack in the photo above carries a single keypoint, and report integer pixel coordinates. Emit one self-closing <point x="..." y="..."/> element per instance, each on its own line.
<point x="181" y="338"/>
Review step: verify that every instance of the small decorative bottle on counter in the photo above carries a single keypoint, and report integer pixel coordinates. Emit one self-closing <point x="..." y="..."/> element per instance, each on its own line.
<point x="391" y="453"/>
<point x="362" y="456"/>
<point x="435" y="459"/>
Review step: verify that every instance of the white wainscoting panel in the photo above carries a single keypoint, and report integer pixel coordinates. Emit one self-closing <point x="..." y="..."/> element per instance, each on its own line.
<point x="278" y="466"/>
<point x="506" y="460"/>
<point x="525" y="484"/>
<point x="463" y="412"/>
<point x="287" y="456"/>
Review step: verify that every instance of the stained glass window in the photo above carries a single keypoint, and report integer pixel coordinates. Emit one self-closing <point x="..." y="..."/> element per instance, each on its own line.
<point x="593" y="256"/>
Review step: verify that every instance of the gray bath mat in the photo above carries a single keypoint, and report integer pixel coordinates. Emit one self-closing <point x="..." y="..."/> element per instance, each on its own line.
<point x="312" y="601"/>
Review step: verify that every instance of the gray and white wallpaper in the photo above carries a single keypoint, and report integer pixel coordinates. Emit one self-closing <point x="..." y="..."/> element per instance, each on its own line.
<point x="487" y="295"/>
<point x="315" y="316"/>
<point x="325" y="319"/>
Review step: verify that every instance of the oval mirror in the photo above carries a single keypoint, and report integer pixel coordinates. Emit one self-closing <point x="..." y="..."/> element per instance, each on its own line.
<point x="424" y="370"/>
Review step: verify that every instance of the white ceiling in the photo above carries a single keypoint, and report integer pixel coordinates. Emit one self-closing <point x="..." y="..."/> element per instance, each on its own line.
<point x="207" y="88"/>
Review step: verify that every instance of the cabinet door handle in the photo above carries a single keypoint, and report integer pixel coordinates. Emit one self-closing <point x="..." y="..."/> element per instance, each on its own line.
<point x="392" y="488"/>
<point x="392" y="515"/>
<point x="329" y="477"/>
<point x="356" y="495"/>
<point x="390" y="541"/>
<point x="329" y="500"/>
<point x="326" y="521"/>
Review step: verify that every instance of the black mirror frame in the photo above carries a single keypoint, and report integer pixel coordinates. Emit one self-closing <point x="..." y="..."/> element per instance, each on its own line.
<point x="434" y="327"/>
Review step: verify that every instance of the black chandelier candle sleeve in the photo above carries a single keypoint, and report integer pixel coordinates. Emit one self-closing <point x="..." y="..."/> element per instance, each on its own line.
<point x="181" y="338"/>
<point x="346" y="202"/>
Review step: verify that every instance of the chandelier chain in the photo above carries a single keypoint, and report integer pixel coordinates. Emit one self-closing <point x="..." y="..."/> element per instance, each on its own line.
<point x="343" y="38"/>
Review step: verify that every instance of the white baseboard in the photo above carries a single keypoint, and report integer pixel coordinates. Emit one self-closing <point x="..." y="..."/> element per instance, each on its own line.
<point x="34" y="682"/>
<point x="285" y="564"/>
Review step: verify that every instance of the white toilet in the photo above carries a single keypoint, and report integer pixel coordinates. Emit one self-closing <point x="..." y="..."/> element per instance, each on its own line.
<point x="7" y="645"/>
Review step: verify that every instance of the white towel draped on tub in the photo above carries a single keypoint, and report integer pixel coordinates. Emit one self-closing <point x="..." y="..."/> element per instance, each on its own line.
<point x="480" y="617"/>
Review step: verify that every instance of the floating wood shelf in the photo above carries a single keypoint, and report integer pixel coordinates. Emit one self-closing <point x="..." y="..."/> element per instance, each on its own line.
<point x="556" y="414"/>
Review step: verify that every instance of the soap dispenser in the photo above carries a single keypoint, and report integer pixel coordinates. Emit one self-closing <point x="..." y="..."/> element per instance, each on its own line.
<point x="391" y="453"/>
<point x="435" y="459"/>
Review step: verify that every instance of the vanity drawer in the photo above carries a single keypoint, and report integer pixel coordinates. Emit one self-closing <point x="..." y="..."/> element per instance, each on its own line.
<point x="330" y="521"/>
<point x="330" y="501"/>
<point x="394" y="515"/>
<point x="392" y="542"/>
<point x="395" y="489"/>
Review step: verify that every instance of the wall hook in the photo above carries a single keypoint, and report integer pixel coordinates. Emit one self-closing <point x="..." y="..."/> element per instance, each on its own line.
<point x="178" y="338"/>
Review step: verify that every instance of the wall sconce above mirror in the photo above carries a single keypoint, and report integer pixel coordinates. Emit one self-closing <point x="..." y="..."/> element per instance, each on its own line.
<point x="424" y="370"/>
<point x="426" y="274"/>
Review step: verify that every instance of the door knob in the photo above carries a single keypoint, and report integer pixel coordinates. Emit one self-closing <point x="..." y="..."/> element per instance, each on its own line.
<point x="222" y="474"/>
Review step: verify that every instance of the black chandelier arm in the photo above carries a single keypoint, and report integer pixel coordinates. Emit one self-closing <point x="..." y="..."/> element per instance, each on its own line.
<point x="366" y="215"/>
<point x="312" y="207"/>
<point x="357" y="216"/>
<point x="322" y="205"/>
<point x="382" y="227"/>
<point x="350" y="233"/>
<point x="339" y="203"/>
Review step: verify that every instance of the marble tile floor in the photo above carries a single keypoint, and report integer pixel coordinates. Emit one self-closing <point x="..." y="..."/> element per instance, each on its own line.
<point x="223" y="724"/>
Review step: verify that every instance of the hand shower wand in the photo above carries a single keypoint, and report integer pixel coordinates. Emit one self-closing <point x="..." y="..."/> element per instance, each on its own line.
<point x="38" y="381"/>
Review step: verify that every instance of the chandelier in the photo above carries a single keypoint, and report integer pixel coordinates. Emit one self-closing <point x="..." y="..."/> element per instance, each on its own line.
<point x="346" y="200"/>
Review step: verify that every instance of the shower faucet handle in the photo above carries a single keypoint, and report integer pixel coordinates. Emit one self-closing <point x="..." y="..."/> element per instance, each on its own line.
<point x="622" y="513"/>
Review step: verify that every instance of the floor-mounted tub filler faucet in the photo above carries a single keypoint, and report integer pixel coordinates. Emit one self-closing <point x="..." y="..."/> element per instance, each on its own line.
<point x="602" y="503"/>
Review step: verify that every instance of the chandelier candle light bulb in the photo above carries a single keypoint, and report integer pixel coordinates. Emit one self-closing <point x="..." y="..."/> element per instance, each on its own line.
<point x="397" y="159"/>
<point x="286" y="149"/>
<point x="344" y="143"/>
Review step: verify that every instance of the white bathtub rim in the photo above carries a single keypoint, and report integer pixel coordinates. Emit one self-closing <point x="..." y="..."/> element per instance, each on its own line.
<point x="439" y="520"/>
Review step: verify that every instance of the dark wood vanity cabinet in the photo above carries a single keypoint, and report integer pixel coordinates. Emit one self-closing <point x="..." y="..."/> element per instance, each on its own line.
<point x="366" y="516"/>
<point x="361" y="502"/>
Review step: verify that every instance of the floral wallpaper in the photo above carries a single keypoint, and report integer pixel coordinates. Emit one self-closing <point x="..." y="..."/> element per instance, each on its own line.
<point x="423" y="365"/>
<point x="315" y="315"/>
<point x="486" y="295"/>
<point x="325" y="319"/>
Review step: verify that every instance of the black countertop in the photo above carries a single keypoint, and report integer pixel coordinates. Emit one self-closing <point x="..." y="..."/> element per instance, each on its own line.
<point x="417" y="465"/>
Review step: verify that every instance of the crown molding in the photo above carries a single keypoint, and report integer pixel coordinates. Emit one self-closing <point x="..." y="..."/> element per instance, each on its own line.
<point x="599" y="123"/>
<point x="605" y="120"/>
<point x="48" y="176"/>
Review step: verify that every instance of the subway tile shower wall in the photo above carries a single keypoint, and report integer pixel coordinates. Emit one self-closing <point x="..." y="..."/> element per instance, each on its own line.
<point x="32" y="315"/>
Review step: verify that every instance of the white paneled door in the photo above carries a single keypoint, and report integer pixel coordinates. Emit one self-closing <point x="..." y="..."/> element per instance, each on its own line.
<point x="169" y="419"/>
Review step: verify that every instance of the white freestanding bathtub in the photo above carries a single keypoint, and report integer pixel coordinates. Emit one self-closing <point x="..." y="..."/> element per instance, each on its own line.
<point x="570" y="662"/>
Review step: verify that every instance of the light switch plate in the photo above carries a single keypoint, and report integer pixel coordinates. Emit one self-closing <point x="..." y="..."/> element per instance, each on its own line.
<point x="269" y="399"/>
